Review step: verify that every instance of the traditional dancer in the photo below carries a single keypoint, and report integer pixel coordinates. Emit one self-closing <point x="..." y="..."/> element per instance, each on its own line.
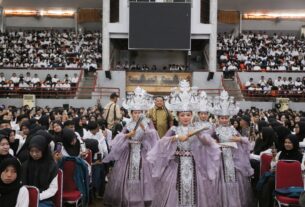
<point x="234" y="186"/>
<point x="203" y="112"/>
<point x="130" y="183"/>
<point x="185" y="160"/>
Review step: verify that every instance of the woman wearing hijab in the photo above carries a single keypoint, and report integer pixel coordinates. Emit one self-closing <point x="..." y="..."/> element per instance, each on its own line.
<point x="78" y="126"/>
<point x="4" y="147"/>
<point x="289" y="152"/>
<point x="262" y="145"/>
<point x="71" y="145"/>
<point x="40" y="170"/>
<point x="11" y="190"/>
<point x="56" y="130"/>
<point x="299" y="130"/>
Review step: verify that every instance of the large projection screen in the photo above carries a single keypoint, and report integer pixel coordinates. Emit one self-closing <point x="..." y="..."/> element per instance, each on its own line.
<point x="160" y="26"/>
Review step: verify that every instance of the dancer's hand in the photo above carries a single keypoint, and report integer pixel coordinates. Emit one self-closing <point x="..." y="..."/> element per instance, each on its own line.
<point x="130" y="134"/>
<point x="235" y="139"/>
<point x="183" y="138"/>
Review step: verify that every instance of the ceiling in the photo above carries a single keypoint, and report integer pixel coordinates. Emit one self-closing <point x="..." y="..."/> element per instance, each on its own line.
<point x="254" y="5"/>
<point x="64" y="4"/>
<point x="240" y="5"/>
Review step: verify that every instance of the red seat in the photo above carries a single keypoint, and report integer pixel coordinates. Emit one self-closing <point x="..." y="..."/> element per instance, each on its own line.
<point x="265" y="163"/>
<point x="284" y="199"/>
<point x="70" y="192"/>
<point x="89" y="157"/>
<point x="72" y="195"/>
<point x="287" y="174"/>
<point x="33" y="196"/>
<point x="58" y="196"/>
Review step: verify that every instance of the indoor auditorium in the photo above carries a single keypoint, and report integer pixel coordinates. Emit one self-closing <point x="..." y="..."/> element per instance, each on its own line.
<point x="152" y="103"/>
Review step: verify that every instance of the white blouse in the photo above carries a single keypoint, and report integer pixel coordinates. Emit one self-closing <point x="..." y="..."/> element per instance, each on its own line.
<point x="23" y="197"/>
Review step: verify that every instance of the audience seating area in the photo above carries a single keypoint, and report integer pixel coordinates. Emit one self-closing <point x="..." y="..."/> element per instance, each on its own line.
<point x="41" y="83"/>
<point x="261" y="52"/>
<point x="50" y="49"/>
<point x="282" y="86"/>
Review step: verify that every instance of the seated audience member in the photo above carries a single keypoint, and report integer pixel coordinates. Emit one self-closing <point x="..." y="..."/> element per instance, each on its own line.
<point x="13" y="194"/>
<point x="289" y="152"/>
<point x="72" y="145"/>
<point x="40" y="170"/>
<point x="4" y="147"/>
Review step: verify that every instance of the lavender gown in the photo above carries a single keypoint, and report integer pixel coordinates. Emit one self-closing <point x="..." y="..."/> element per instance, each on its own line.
<point x="130" y="182"/>
<point x="184" y="172"/>
<point x="234" y="186"/>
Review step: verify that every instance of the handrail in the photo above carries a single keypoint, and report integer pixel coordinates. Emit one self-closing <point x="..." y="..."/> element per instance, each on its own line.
<point x="56" y="92"/>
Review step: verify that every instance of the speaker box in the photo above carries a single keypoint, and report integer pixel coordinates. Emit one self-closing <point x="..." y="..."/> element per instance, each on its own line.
<point x="210" y="76"/>
<point x="108" y="74"/>
<point x="66" y="106"/>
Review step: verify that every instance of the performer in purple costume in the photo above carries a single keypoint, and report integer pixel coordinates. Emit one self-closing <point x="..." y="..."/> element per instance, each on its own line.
<point x="234" y="187"/>
<point x="130" y="182"/>
<point x="184" y="165"/>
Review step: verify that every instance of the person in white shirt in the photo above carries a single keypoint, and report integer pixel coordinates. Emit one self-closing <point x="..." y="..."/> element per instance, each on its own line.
<point x="262" y="81"/>
<point x="28" y="78"/>
<point x="55" y="80"/>
<point x="15" y="79"/>
<point x="249" y="83"/>
<point x="2" y="78"/>
<point x="98" y="168"/>
<point x="35" y="80"/>
<point x="278" y="82"/>
<point x="74" y="80"/>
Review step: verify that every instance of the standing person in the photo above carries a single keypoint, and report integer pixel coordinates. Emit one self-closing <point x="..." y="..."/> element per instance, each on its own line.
<point x="160" y="116"/>
<point x="130" y="182"/>
<point x="203" y="112"/>
<point x="235" y="169"/>
<point x="112" y="113"/>
<point x="13" y="194"/>
<point x="184" y="164"/>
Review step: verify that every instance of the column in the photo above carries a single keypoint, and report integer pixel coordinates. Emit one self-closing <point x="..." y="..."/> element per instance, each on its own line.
<point x="106" y="36"/>
<point x="213" y="36"/>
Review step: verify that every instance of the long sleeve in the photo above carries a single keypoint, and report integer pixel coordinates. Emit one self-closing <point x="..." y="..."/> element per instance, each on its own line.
<point x="23" y="197"/>
<point x="103" y="147"/>
<point x="118" y="146"/>
<point x="160" y="155"/>
<point x="274" y="162"/>
<point x="51" y="191"/>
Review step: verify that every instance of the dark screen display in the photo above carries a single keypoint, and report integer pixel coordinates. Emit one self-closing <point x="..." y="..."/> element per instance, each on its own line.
<point x="160" y="26"/>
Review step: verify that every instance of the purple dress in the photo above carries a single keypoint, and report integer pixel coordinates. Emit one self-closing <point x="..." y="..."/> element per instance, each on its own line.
<point x="234" y="177"/>
<point x="130" y="182"/>
<point x="184" y="172"/>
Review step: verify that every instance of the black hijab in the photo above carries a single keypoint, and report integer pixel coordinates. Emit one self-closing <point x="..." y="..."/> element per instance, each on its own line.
<point x="78" y="128"/>
<point x="281" y="132"/>
<point x="9" y="192"/>
<point x="301" y="134"/>
<point x="57" y="135"/>
<point x="266" y="142"/>
<point x="293" y="154"/>
<point x="39" y="173"/>
<point x="3" y="157"/>
<point x="68" y="135"/>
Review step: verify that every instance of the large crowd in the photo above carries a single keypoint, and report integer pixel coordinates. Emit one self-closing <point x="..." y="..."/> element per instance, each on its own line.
<point x="50" y="49"/>
<point x="53" y="134"/>
<point x="251" y="51"/>
<point x="283" y="85"/>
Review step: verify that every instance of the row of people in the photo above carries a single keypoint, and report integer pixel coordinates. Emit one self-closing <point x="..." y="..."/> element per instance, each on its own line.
<point x="144" y="67"/>
<point x="49" y="48"/>
<point x="260" y="51"/>
<point x="283" y="85"/>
